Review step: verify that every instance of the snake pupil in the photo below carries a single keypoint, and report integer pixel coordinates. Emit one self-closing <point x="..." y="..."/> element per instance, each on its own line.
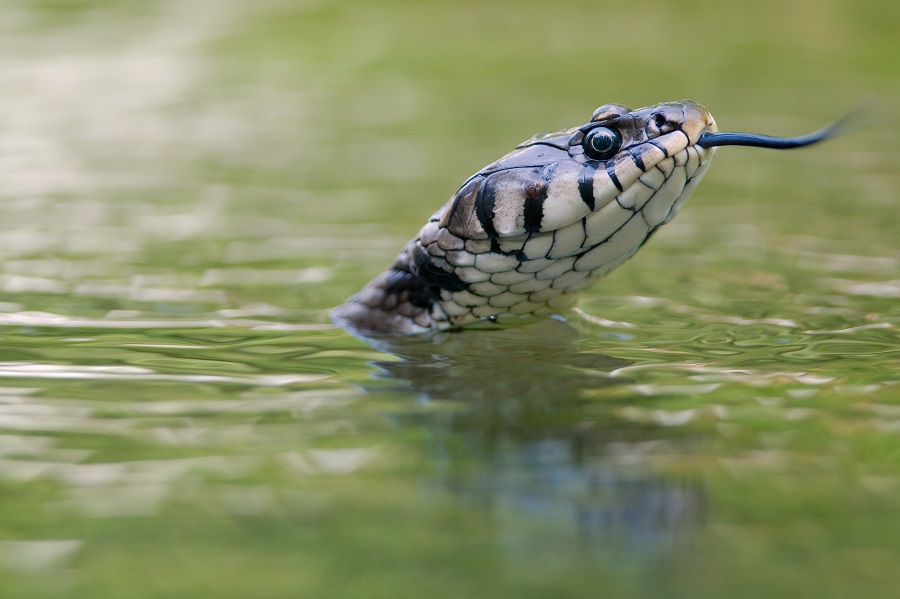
<point x="602" y="143"/>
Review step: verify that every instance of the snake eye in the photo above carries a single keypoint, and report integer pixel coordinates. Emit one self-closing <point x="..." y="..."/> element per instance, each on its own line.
<point x="602" y="142"/>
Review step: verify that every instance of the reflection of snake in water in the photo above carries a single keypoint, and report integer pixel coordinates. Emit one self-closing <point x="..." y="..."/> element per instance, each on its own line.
<point x="525" y="234"/>
<point x="530" y="434"/>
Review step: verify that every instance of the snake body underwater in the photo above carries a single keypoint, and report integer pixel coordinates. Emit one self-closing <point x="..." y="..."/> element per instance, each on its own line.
<point x="525" y="234"/>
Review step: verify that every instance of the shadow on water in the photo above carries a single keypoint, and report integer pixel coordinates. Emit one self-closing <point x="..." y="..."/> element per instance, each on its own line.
<point x="521" y="422"/>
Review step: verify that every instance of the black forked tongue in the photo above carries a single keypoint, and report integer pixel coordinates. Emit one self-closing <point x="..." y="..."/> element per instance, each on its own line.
<point x="709" y="140"/>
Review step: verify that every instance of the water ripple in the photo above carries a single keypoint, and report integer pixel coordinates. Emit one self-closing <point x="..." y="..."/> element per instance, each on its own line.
<point x="47" y="319"/>
<point x="133" y="373"/>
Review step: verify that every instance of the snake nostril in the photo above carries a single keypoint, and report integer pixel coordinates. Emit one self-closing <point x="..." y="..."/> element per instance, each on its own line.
<point x="659" y="119"/>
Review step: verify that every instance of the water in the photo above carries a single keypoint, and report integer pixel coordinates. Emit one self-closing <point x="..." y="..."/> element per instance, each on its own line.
<point x="187" y="187"/>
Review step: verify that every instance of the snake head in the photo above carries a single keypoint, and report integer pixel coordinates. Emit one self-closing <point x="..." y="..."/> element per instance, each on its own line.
<point x="554" y="180"/>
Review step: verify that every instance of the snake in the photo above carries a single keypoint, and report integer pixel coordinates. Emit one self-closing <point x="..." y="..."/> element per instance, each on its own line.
<point x="525" y="234"/>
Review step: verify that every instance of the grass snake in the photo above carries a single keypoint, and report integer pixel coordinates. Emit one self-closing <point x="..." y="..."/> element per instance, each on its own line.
<point x="525" y="234"/>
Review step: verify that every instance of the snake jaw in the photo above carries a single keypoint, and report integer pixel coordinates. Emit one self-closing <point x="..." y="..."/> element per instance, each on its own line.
<point x="526" y="233"/>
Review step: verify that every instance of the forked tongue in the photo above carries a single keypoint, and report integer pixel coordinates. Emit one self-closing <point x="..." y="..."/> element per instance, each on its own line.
<point x="709" y="140"/>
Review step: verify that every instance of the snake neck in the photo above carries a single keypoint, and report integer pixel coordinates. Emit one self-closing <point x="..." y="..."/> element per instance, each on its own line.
<point x="403" y="299"/>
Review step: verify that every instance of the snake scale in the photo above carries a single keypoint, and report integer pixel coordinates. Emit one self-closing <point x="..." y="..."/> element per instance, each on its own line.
<point x="525" y="234"/>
